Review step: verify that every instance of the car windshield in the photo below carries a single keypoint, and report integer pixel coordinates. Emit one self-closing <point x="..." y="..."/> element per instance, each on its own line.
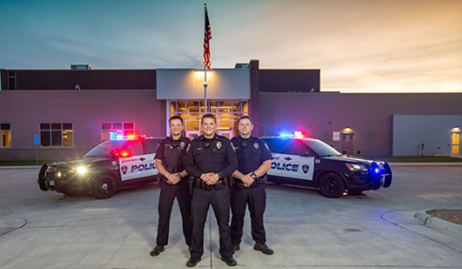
<point x="321" y="148"/>
<point x="104" y="149"/>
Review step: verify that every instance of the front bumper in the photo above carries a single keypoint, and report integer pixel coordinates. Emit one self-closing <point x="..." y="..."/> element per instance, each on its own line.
<point x="378" y="176"/>
<point x="52" y="179"/>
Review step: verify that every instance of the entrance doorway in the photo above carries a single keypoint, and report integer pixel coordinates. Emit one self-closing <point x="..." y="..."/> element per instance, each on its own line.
<point x="348" y="143"/>
<point x="455" y="144"/>
<point x="227" y="112"/>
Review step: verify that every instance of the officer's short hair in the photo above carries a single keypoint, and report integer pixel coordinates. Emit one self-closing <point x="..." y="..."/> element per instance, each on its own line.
<point x="243" y="118"/>
<point x="210" y="116"/>
<point x="175" y="118"/>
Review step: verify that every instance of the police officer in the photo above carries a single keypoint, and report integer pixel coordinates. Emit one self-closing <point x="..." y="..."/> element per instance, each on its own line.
<point x="169" y="162"/>
<point x="254" y="160"/>
<point x="211" y="160"/>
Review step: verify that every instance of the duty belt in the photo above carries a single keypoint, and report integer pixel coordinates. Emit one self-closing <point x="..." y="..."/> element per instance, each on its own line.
<point x="200" y="184"/>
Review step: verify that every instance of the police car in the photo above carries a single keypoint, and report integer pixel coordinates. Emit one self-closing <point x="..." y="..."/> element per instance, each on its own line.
<point x="313" y="163"/>
<point x="113" y="164"/>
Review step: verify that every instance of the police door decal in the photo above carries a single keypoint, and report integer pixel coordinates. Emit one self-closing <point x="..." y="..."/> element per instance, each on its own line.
<point x="137" y="167"/>
<point x="293" y="166"/>
<point x="274" y="163"/>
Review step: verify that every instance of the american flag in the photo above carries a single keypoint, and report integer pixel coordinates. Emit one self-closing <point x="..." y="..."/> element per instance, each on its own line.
<point x="207" y="37"/>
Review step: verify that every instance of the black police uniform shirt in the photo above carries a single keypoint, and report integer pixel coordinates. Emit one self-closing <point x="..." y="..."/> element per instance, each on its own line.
<point x="251" y="153"/>
<point x="214" y="155"/>
<point x="171" y="152"/>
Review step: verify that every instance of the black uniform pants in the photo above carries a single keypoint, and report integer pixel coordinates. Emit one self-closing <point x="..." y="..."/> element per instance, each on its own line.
<point x="256" y="200"/>
<point x="167" y="196"/>
<point x="201" y="200"/>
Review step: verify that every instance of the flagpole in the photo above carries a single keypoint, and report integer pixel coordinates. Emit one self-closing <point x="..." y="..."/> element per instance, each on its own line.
<point x="205" y="89"/>
<point x="205" y="71"/>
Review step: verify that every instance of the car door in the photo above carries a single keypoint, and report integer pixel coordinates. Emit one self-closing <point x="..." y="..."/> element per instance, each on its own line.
<point x="137" y="164"/>
<point x="276" y="146"/>
<point x="297" y="160"/>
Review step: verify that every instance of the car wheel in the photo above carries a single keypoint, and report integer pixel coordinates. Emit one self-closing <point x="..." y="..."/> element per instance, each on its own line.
<point x="331" y="185"/>
<point x="103" y="187"/>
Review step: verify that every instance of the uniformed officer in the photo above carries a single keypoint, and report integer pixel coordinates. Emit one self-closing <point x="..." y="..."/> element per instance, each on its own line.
<point x="211" y="160"/>
<point x="254" y="160"/>
<point x="169" y="162"/>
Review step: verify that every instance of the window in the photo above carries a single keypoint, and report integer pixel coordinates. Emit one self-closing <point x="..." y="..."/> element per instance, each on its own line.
<point x="276" y="145"/>
<point x="5" y="135"/>
<point x="298" y="147"/>
<point x="124" y="128"/>
<point x="56" y="135"/>
<point x="12" y="80"/>
<point x="150" y="145"/>
<point x="227" y="113"/>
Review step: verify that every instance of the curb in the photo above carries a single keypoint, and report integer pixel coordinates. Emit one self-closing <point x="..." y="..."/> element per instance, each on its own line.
<point x="437" y="223"/>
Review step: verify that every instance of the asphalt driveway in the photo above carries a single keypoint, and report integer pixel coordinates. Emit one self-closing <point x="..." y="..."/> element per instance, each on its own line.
<point x="374" y="230"/>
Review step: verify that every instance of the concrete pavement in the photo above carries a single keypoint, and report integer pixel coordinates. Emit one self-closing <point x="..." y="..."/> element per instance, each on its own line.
<point x="374" y="230"/>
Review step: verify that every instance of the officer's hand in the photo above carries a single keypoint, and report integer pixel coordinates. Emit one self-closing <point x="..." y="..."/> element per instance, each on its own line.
<point x="206" y="177"/>
<point x="248" y="180"/>
<point x="213" y="179"/>
<point x="173" y="179"/>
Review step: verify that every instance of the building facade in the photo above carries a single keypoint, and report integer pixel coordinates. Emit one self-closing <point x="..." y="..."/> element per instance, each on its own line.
<point x="60" y="114"/>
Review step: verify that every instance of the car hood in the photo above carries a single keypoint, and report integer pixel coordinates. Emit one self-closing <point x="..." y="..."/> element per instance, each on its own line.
<point x="345" y="158"/>
<point x="83" y="161"/>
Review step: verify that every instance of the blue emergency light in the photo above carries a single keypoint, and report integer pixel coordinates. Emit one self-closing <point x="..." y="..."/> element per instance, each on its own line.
<point x="296" y="134"/>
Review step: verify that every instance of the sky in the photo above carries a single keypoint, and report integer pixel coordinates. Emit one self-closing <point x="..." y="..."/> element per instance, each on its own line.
<point x="359" y="45"/>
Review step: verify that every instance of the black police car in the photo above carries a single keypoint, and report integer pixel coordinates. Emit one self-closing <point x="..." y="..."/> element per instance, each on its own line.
<point x="111" y="165"/>
<point x="311" y="162"/>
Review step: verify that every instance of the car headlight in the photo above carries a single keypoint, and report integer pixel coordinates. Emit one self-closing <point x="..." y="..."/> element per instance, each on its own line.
<point x="81" y="170"/>
<point x="356" y="167"/>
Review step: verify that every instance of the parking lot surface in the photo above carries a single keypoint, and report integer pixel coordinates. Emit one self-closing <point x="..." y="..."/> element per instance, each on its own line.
<point x="374" y="230"/>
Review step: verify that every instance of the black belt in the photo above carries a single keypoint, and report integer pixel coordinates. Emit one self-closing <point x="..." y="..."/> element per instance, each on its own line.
<point x="200" y="184"/>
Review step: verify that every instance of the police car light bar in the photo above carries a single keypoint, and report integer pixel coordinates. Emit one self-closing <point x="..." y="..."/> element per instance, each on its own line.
<point x="119" y="136"/>
<point x="296" y="134"/>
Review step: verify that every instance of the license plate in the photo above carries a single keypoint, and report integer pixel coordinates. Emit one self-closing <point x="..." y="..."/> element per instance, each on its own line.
<point x="51" y="182"/>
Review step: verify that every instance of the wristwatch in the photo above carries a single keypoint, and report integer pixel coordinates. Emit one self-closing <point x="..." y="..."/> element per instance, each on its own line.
<point x="180" y="176"/>
<point x="253" y="175"/>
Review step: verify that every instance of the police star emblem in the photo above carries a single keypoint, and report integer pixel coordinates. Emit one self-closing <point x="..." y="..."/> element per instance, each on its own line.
<point x="219" y="145"/>
<point x="305" y="168"/>
<point x="182" y="144"/>
<point x="255" y="145"/>
<point x="124" y="169"/>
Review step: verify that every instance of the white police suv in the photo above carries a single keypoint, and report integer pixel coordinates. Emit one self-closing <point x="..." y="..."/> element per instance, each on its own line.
<point x="113" y="164"/>
<point x="313" y="163"/>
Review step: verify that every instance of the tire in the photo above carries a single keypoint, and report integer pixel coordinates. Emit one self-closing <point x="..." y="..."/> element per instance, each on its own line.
<point x="331" y="185"/>
<point x="104" y="187"/>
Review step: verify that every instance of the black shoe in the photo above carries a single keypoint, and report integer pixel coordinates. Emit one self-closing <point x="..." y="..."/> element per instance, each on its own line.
<point x="229" y="261"/>
<point x="157" y="250"/>
<point x="263" y="248"/>
<point x="193" y="262"/>
<point x="236" y="247"/>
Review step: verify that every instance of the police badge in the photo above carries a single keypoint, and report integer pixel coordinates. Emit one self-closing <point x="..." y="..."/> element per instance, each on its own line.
<point x="255" y="145"/>
<point x="305" y="168"/>
<point x="218" y="145"/>
<point x="182" y="144"/>
<point x="124" y="169"/>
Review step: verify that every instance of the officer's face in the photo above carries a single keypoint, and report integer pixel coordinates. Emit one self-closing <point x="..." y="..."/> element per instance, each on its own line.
<point x="245" y="127"/>
<point x="208" y="127"/>
<point x="175" y="127"/>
